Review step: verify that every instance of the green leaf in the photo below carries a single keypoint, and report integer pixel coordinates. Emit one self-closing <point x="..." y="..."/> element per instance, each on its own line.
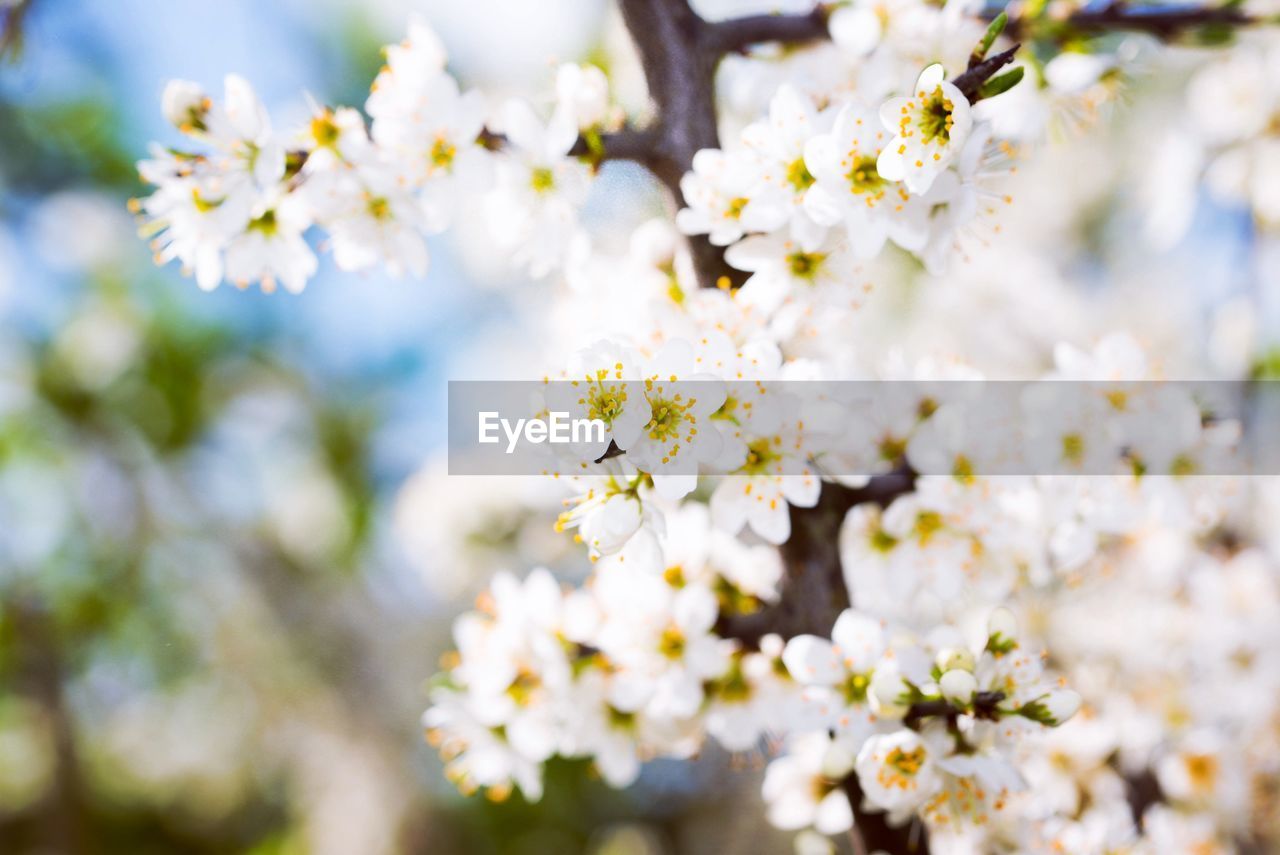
<point x="1001" y="83"/>
<point x="989" y="38"/>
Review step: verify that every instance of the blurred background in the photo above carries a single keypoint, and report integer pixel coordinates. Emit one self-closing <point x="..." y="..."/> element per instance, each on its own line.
<point x="210" y="638"/>
<point x="223" y="584"/>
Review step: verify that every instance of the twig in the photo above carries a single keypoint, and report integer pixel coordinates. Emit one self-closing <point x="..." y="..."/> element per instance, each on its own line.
<point x="739" y="34"/>
<point x="635" y="144"/>
<point x="985" y="705"/>
<point x="970" y="82"/>
<point x="1162" y="21"/>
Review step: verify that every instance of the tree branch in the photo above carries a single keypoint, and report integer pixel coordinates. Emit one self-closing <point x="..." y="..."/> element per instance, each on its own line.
<point x="634" y="144"/>
<point x="679" y="68"/>
<point x="877" y="834"/>
<point x="1164" y="22"/>
<point x="738" y="34"/>
<point x="679" y="52"/>
<point x="985" y="705"/>
<point x="813" y="592"/>
<point x="970" y="82"/>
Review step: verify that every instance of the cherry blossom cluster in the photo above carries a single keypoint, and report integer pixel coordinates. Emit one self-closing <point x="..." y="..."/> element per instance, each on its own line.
<point x="1027" y="663"/>
<point x="819" y="182"/>
<point x="811" y="191"/>
<point x="238" y="208"/>
<point x="1234" y="107"/>
<point x="925" y="700"/>
<point x="631" y="667"/>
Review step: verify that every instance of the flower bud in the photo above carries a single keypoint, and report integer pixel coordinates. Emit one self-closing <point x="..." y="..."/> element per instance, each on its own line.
<point x="584" y="91"/>
<point x="185" y="105"/>
<point x="959" y="686"/>
<point x="951" y="658"/>
<point x="1062" y="704"/>
<point x="1002" y="622"/>
<point x="889" y="693"/>
<point x="1002" y="631"/>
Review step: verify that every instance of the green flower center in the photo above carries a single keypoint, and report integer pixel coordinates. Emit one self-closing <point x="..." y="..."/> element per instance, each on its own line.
<point x="854" y="689"/>
<point x="882" y="541"/>
<point x="379" y="208"/>
<point x="798" y="175"/>
<point x="671" y="644"/>
<point x="928" y="523"/>
<point x="523" y="687"/>
<point x="665" y="419"/>
<point x="863" y="177"/>
<point x="805" y="265"/>
<point x="760" y="456"/>
<point x="906" y="762"/>
<point x="605" y="401"/>
<point x="265" y="224"/>
<point x="443" y="152"/>
<point x="620" y="719"/>
<point x="542" y="180"/>
<point x="1073" y="448"/>
<point x="935" y="117"/>
<point x="324" y="131"/>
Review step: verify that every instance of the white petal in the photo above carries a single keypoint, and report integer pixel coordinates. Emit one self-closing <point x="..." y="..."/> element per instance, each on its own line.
<point x="812" y="660"/>
<point x="860" y="640"/>
<point x="931" y="77"/>
<point x="834" y="815"/>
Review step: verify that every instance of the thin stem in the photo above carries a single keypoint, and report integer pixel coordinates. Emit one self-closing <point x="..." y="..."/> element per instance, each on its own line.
<point x="970" y="82"/>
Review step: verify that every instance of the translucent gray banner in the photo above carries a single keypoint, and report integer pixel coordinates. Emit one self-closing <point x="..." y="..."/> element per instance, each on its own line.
<point x="965" y="428"/>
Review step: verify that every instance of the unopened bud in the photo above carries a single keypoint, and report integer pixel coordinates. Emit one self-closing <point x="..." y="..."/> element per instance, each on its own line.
<point x="958" y="686"/>
<point x="889" y="693"/>
<point x="1062" y="704"/>
<point x="1002" y="622"/>
<point x="952" y="658"/>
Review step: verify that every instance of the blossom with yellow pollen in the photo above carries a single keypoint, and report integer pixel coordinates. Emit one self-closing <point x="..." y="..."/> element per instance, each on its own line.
<point x="848" y="190"/>
<point x="931" y="127"/>
<point x="678" y="402"/>
<point x="896" y="771"/>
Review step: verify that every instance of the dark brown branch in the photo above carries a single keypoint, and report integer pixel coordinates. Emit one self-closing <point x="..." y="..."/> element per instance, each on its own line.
<point x="679" y="68"/>
<point x="970" y="82"/>
<point x="985" y="705"/>
<point x="634" y="144"/>
<point x="877" y="834"/>
<point x="1165" y="22"/>
<point x="637" y="144"/>
<point x="1142" y="790"/>
<point x="813" y="590"/>
<point x="738" y="34"/>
